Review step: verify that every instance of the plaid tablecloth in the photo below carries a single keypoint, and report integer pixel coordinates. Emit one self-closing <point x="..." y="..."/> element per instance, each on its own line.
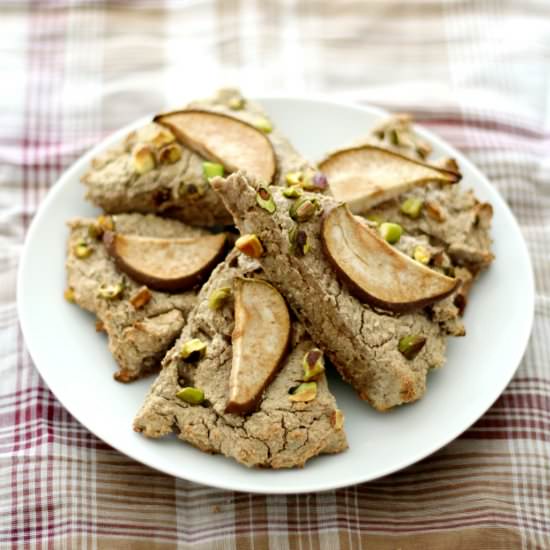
<point x="476" y="72"/>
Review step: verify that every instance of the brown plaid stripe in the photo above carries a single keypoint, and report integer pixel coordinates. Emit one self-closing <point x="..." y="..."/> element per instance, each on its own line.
<point x="474" y="72"/>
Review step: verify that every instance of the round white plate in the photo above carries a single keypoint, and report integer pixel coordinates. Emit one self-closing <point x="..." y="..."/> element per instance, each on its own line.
<point x="75" y="363"/>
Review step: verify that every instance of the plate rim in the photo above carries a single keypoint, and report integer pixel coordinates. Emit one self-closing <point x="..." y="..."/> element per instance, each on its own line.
<point x="343" y="481"/>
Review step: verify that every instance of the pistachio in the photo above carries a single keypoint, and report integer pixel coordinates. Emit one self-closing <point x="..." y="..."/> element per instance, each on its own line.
<point x="320" y="181"/>
<point x="191" y="395"/>
<point x="160" y="137"/>
<point x="236" y="103"/>
<point x="412" y="207"/>
<point x="99" y="326"/>
<point x="313" y="364"/>
<point x="306" y="391"/>
<point x="102" y="224"/>
<point x="422" y="255"/>
<point x="337" y="419"/>
<point x="219" y="297"/>
<point x="111" y="292"/>
<point x="250" y="245"/>
<point x="141" y="297"/>
<point x="82" y="249"/>
<point x="264" y="125"/>
<point x="299" y="242"/>
<point x="193" y="350"/>
<point x="303" y="209"/>
<point x="143" y="158"/>
<point x="170" y="154"/>
<point x="69" y="295"/>
<point x="265" y="200"/>
<point x="294" y="178"/>
<point x="411" y="345"/>
<point x="292" y="192"/>
<point x="390" y="232"/>
<point x="211" y="170"/>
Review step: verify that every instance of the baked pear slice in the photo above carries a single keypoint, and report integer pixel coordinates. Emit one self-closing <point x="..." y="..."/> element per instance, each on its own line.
<point x="368" y="175"/>
<point x="170" y="265"/>
<point x="374" y="271"/>
<point x="229" y="141"/>
<point x="260" y="340"/>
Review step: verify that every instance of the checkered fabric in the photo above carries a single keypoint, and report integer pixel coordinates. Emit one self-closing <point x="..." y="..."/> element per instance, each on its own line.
<point x="476" y="72"/>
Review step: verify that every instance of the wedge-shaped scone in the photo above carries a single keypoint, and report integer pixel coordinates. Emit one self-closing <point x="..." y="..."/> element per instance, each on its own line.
<point x="160" y="167"/>
<point x="286" y="428"/>
<point x="141" y="323"/>
<point x="364" y="344"/>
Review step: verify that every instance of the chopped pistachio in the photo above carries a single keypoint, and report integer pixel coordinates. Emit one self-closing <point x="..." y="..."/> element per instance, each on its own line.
<point x="111" y="292"/>
<point x="211" y="170"/>
<point x="313" y="364"/>
<point x="299" y="242"/>
<point x="294" y="178"/>
<point x="170" y="154"/>
<point x="292" y="192"/>
<point x="411" y="345"/>
<point x="102" y="224"/>
<point x="337" y="419"/>
<point x="264" y="125"/>
<point x="250" y="245"/>
<point x="191" y="395"/>
<point x="422" y="255"/>
<point x="306" y="391"/>
<point x="141" y="297"/>
<point x="82" y="249"/>
<point x="390" y="232"/>
<point x="143" y="158"/>
<point x="236" y="103"/>
<point x="161" y="137"/>
<point x="219" y="297"/>
<point x="412" y="207"/>
<point x="303" y="209"/>
<point x="320" y="181"/>
<point x="265" y="200"/>
<point x="69" y="295"/>
<point x="193" y="350"/>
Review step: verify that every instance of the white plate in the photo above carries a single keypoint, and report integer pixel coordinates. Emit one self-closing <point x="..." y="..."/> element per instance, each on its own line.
<point x="75" y="363"/>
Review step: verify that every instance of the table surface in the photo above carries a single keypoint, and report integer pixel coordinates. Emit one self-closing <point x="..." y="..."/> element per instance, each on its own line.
<point x="477" y="73"/>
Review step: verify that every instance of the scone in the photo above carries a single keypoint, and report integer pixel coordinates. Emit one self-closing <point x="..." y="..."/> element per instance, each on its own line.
<point x="288" y="422"/>
<point x="385" y="355"/>
<point x="151" y="172"/>
<point x="141" y="323"/>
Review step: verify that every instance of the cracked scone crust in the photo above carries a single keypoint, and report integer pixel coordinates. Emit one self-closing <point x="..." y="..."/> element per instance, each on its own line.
<point x="178" y="190"/>
<point x="361" y="342"/>
<point x="138" y="338"/>
<point x="280" y="434"/>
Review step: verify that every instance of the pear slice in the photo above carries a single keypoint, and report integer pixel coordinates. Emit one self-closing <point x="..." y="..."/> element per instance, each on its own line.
<point x="229" y="141"/>
<point x="376" y="272"/>
<point x="165" y="264"/>
<point x="260" y="341"/>
<point x="368" y="175"/>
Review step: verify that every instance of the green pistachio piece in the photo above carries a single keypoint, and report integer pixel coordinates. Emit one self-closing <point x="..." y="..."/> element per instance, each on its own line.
<point x="294" y="178"/>
<point x="299" y="242"/>
<point x="292" y="192"/>
<point x="69" y="295"/>
<point x="411" y="345"/>
<point x="219" y="297"/>
<point x="82" y="249"/>
<point x="102" y="224"/>
<point x="303" y="209"/>
<point x="191" y="395"/>
<point x="264" y="125"/>
<point x="313" y="364"/>
<point x="111" y="292"/>
<point x="422" y="255"/>
<point x="211" y="170"/>
<point x="236" y="103"/>
<point x="265" y="200"/>
<point x="193" y="350"/>
<point x="304" y="392"/>
<point x="412" y="207"/>
<point x="390" y="232"/>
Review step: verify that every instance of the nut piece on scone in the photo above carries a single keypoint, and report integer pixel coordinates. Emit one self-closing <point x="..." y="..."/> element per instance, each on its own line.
<point x="141" y="323"/>
<point x="150" y="172"/>
<point x="191" y="393"/>
<point x="362" y="343"/>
